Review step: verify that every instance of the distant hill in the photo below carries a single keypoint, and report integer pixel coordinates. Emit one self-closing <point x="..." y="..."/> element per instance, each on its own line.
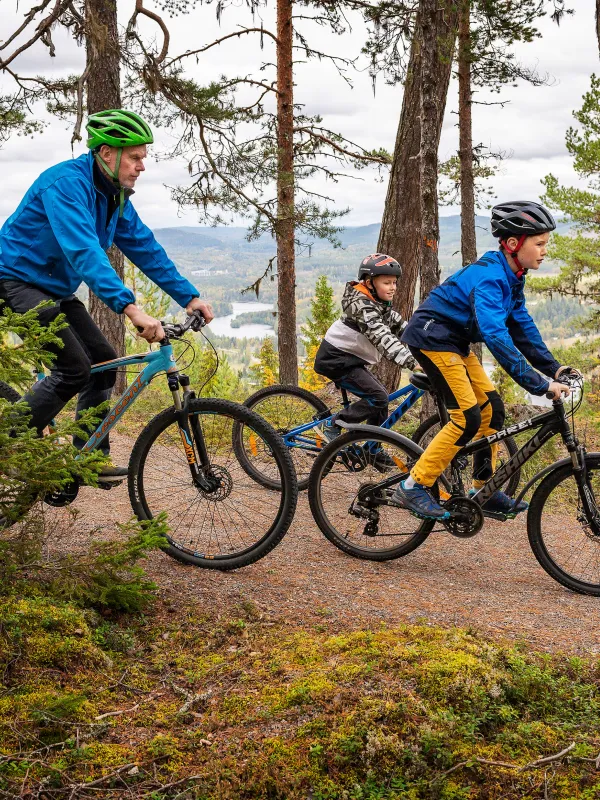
<point x="226" y="250"/>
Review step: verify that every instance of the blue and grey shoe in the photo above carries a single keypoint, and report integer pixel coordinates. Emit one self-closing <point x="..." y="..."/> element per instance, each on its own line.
<point x="420" y="501"/>
<point x="501" y="503"/>
<point x="331" y="431"/>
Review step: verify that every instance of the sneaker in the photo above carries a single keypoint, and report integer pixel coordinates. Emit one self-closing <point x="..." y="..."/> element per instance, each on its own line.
<point x="378" y="458"/>
<point x="111" y="473"/>
<point x="330" y="431"/>
<point x="501" y="503"/>
<point x="420" y="501"/>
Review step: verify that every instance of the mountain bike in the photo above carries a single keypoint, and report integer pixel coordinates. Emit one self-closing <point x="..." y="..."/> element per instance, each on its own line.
<point x="299" y="415"/>
<point x="183" y="463"/>
<point x="353" y="507"/>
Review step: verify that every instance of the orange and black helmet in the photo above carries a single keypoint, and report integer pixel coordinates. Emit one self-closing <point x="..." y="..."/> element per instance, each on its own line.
<point x="378" y="264"/>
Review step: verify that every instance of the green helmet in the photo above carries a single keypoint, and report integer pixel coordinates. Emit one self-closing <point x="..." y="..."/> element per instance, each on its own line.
<point x="117" y="127"/>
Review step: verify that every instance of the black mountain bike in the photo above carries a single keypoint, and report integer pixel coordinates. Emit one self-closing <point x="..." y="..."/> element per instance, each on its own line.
<point x="350" y="501"/>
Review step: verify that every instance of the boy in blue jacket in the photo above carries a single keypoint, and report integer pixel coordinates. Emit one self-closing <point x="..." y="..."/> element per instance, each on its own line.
<point x="57" y="239"/>
<point x="483" y="302"/>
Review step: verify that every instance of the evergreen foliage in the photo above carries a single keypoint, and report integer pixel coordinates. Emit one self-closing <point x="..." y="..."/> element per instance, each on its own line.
<point x="323" y="312"/>
<point x="266" y="372"/>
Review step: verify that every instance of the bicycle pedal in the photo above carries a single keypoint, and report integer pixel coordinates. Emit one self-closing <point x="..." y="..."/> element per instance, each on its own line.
<point x="108" y="486"/>
<point x="497" y="515"/>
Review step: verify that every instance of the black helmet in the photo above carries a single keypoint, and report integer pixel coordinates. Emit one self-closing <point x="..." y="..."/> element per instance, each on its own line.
<point x="521" y="218"/>
<point x="378" y="264"/>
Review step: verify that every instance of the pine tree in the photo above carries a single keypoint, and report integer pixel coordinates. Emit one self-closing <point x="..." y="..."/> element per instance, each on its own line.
<point x="579" y="250"/>
<point x="266" y="372"/>
<point x="323" y="313"/>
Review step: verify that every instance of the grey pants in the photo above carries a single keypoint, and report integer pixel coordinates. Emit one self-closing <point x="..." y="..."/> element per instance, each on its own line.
<point x="84" y="345"/>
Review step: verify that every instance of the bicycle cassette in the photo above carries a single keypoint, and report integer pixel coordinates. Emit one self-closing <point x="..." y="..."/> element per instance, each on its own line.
<point x="466" y="517"/>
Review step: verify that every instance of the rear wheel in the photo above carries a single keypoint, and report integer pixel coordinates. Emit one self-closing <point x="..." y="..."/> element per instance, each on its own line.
<point x="235" y="521"/>
<point x="285" y="408"/>
<point x="560" y="535"/>
<point x="506" y="450"/>
<point x="349" y="497"/>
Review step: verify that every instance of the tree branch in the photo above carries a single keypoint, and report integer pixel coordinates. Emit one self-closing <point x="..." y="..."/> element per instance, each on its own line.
<point x="139" y="9"/>
<point x="262" y="31"/>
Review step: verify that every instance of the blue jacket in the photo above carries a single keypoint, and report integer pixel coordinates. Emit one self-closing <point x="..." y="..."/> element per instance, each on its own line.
<point x="484" y="302"/>
<point x="58" y="235"/>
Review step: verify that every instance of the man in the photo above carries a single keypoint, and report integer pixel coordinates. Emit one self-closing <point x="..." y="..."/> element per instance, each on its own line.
<point x="57" y="238"/>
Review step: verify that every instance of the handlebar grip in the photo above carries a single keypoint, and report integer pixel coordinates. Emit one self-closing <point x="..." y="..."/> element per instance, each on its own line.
<point x="550" y="395"/>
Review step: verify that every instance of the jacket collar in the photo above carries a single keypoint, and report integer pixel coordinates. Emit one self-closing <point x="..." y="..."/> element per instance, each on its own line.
<point x="102" y="182"/>
<point x="512" y="278"/>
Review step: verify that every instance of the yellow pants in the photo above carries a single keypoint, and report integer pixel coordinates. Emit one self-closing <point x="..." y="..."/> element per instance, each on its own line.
<point x="475" y="410"/>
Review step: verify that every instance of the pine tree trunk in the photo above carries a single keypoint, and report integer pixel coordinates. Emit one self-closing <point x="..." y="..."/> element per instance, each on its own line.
<point x="103" y="92"/>
<point x="598" y="22"/>
<point x="468" y="239"/>
<point x="286" y="267"/>
<point x="401" y="227"/>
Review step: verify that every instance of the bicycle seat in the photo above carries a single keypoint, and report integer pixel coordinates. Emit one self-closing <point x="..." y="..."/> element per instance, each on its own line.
<point x="421" y="381"/>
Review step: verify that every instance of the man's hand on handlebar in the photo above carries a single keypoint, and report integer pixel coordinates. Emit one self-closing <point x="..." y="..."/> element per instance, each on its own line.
<point x="149" y="328"/>
<point x="205" y="309"/>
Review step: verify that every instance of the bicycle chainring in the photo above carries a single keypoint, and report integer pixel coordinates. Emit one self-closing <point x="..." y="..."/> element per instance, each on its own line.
<point x="466" y="517"/>
<point x="62" y="497"/>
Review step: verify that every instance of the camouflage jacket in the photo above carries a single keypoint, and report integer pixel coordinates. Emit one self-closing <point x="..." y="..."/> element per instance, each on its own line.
<point x="369" y="328"/>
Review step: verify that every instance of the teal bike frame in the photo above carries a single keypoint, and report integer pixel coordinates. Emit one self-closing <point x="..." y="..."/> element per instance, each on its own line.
<point x="161" y="360"/>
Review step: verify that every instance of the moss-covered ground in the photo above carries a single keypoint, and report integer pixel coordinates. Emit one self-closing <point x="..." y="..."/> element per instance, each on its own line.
<point x="184" y="703"/>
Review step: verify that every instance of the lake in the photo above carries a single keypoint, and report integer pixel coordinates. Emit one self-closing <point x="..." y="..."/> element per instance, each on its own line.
<point x="221" y="326"/>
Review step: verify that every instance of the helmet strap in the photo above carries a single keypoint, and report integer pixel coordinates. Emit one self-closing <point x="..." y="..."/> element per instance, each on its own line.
<point x="374" y="292"/>
<point x="513" y="252"/>
<point x="114" y="175"/>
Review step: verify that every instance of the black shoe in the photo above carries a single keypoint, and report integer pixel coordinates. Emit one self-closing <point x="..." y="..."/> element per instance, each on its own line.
<point x="111" y="473"/>
<point x="500" y="503"/>
<point x="378" y="458"/>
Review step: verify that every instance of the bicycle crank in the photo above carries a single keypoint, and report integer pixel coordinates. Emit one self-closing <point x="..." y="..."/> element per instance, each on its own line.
<point x="62" y="497"/>
<point x="466" y="517"/>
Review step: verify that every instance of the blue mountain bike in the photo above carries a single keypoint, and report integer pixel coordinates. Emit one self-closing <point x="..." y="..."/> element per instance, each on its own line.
<point x="183" y="463"/>
<point x="299" y="415"/>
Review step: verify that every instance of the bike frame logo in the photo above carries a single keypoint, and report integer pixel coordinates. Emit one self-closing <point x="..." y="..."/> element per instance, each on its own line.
<point x="189" y="450"/>
<point x="116" y="412"/>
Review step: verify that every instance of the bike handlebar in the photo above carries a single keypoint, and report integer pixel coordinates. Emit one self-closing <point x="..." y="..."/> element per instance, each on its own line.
<point x="195" y="321"/>
<point x="574" y="381"/>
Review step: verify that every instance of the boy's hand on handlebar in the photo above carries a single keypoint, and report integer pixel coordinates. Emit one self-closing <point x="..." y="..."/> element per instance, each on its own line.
<point x="566" y="371"/>
<point x="556" y="390"/>
<point x="149" y="328"/>
<point x="205" y="309"/>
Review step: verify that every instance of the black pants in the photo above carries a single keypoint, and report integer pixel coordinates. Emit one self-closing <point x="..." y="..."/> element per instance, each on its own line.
<point x="84" y="345"/>
<point x="373" y="404"/>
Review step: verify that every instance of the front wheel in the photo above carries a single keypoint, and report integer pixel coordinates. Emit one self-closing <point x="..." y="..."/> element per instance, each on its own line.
<point x="287" y="409"/>
<point x="234" y="522"/>
<point x="560" y="535"/>
<point x="349" y="489"/>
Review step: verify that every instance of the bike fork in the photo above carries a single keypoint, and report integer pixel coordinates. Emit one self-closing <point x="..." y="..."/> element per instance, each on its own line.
<point x="190" y="432"/>
<point x="586" y="493"/>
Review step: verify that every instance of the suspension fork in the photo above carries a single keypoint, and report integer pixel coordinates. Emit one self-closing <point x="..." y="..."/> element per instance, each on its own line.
<point x="190" y="431"/>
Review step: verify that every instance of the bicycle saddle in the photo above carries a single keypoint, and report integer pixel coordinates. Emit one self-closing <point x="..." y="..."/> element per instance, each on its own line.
<point x="421" y="381"/>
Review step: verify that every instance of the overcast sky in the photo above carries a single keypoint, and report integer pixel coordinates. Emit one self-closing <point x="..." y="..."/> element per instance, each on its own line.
<point x="532" y="127"/>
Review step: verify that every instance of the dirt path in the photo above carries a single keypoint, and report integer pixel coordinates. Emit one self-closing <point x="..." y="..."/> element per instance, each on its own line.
<point x="491" y="582"/>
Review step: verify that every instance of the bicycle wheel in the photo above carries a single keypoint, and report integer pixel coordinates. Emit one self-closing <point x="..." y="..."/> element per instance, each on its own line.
<point x="236" y="523"/>
<point x="349" y="497"/>
<point x="285" y="408"/>
<point x="560" y="537"/>
<point x="506" y="450"/>
<point x="15" y="500"/>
